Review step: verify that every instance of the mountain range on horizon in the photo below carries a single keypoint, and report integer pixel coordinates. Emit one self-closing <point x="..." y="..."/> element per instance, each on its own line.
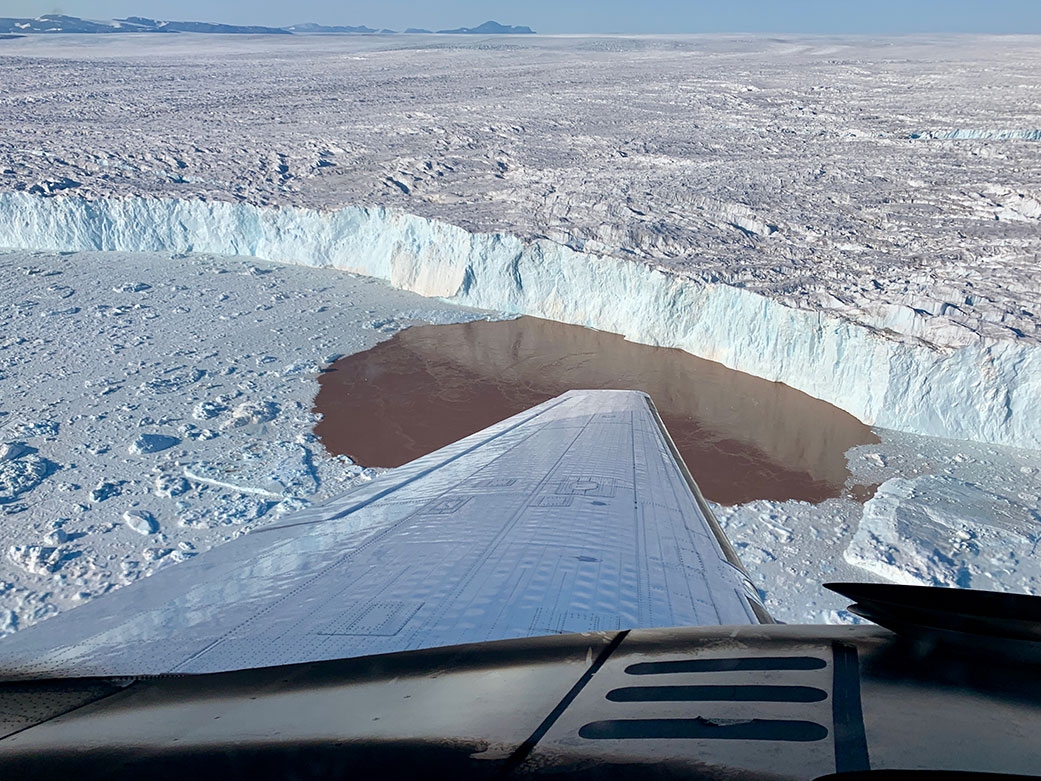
<point x="60" y="23"/>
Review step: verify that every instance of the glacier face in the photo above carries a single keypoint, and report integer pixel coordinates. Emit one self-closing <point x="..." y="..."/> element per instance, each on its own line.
<point x="977" y="134"/>
<point x="986" y="390"/>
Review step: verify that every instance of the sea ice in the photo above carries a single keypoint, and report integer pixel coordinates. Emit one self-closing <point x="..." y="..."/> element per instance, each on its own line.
<point x="143" y="522"/>
<point x="936" y="530"/>
<point x="21" y="475"/>
<point x="943" y="513"/>
<point x="35" y="559"/>
<point x="152" y="443"/>
<point x="99" y="431"/>
<point x="250" y="413"/>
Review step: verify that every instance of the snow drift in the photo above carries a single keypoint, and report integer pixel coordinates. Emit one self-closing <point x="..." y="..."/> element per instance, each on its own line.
<point x="988" y="390"/>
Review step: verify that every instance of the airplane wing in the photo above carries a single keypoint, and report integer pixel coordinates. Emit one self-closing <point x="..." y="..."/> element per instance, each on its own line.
<point x="577" y="515"/>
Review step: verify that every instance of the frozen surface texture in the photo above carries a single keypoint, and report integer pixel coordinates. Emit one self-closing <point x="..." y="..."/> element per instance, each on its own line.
<point x="153" y="406"/>
<point x="943" y="513"/>
<point x="960" y="514"/>
<point x="855" y="217"/>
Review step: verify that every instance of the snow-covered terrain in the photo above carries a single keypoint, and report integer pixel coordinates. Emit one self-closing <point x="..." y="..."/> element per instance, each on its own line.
<point x="945" y="514"/>
<point x="858" y="218"/>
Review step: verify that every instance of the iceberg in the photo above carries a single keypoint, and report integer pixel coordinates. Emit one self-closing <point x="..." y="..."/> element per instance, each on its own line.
<point x="937" y="530"/>
<point x="987" y="390"/>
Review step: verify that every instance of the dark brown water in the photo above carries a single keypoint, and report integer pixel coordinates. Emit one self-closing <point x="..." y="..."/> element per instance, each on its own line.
<point x="742" y="437"/>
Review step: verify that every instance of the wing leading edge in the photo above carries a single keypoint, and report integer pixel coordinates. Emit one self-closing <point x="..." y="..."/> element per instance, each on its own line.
<point x="576" y="515"/>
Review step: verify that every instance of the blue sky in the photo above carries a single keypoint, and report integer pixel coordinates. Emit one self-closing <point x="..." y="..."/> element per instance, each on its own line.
<point x="595" y="16"/>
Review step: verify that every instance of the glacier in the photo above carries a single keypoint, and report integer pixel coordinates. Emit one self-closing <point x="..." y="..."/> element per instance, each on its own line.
<point x="986" y="390"/>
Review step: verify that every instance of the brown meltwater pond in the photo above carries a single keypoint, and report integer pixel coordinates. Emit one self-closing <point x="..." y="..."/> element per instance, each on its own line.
<point x="742" y="437"/>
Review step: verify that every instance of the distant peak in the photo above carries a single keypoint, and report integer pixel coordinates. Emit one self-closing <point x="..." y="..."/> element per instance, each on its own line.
<point x="490" y="28"/>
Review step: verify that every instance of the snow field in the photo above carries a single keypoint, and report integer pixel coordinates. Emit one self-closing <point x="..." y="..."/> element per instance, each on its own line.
<point x="945" y="513"/>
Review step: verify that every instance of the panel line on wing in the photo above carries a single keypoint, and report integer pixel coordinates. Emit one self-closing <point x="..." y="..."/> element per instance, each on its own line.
<point x="515" y="516"/>
<point x="542" y="409"/>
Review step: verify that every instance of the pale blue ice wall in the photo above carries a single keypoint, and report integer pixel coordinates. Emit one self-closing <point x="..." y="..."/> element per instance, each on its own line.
<point x="989" y="391"/>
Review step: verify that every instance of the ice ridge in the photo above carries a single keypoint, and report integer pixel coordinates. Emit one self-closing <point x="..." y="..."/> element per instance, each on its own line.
<point x="987" y="390"/>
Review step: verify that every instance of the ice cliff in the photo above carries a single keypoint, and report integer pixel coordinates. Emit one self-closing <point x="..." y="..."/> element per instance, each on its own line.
<point x="988" y="390"/>
<point x="977" y="134"/>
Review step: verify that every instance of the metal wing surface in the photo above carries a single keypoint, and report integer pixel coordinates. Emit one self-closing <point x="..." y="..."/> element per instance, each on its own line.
<point x="576" y="515"/>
